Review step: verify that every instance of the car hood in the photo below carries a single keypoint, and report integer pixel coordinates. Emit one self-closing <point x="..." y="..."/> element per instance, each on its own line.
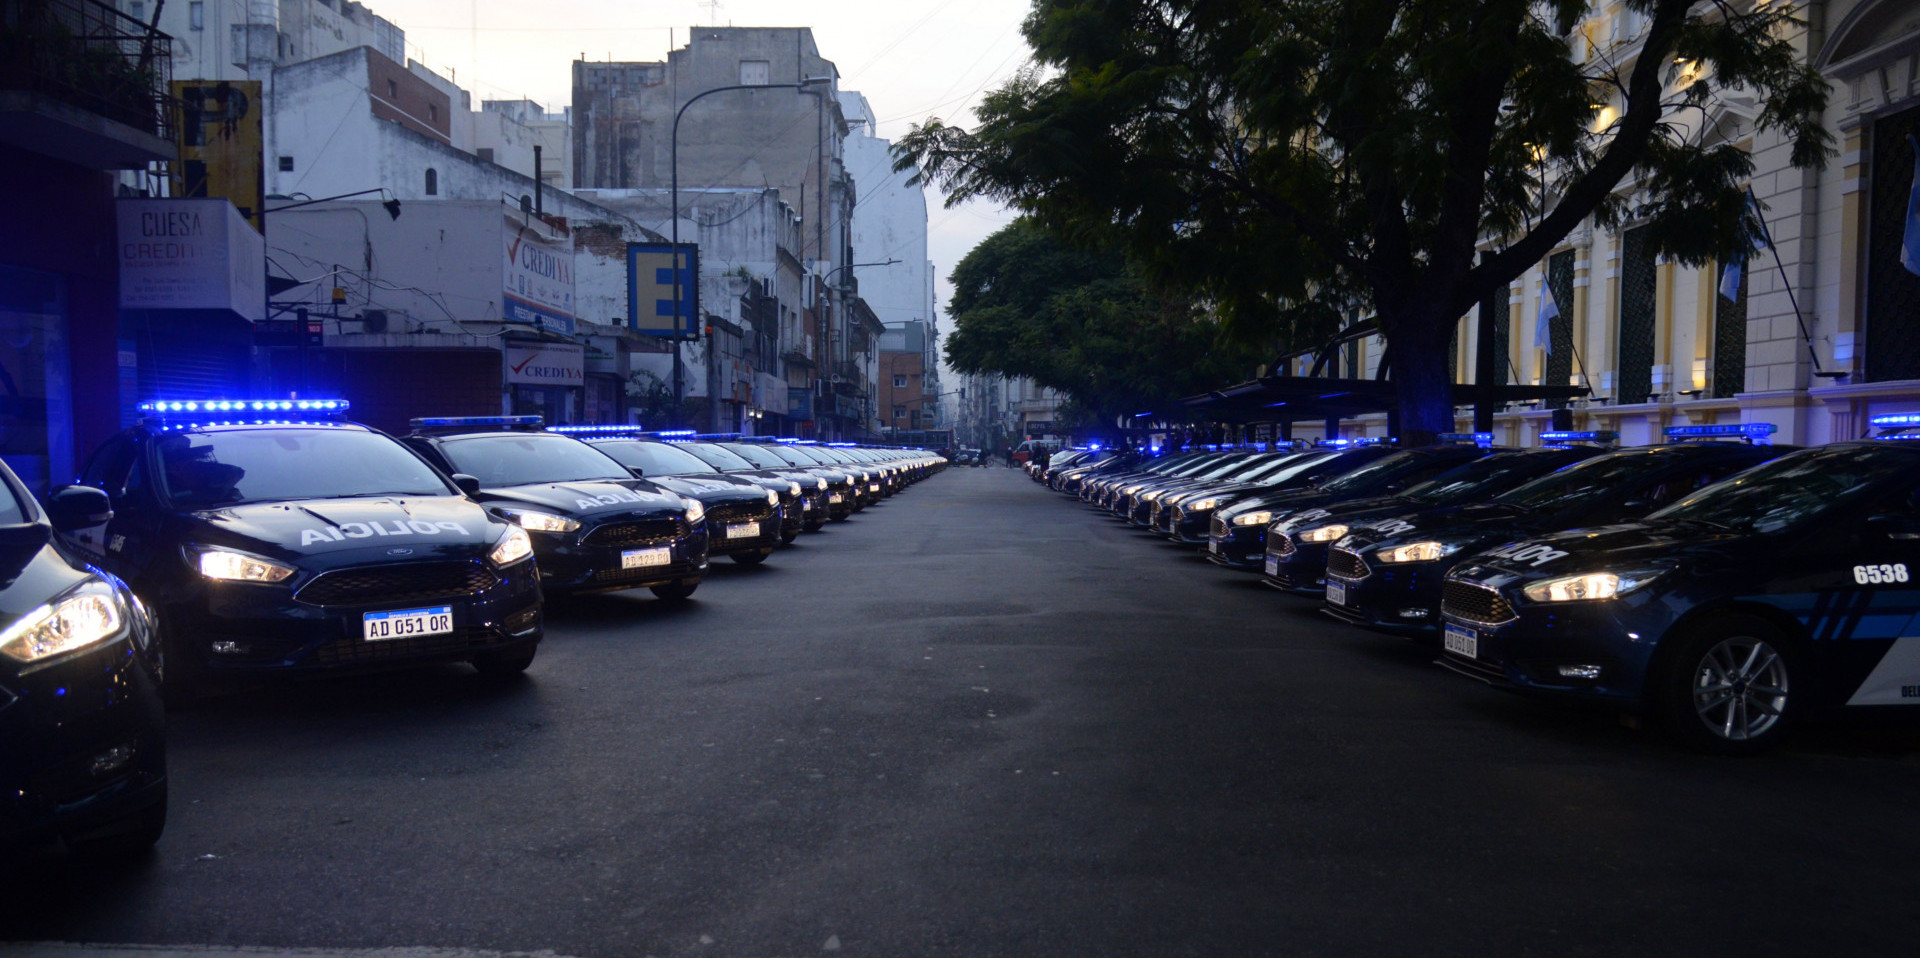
<point x="1628" y="545"/>
<point x="1470" y="527"/>
<point x="32" y="571"/>
<point x="591" y="499"/>
<point x="712" y="489"/>
<point x="336" y="531"/>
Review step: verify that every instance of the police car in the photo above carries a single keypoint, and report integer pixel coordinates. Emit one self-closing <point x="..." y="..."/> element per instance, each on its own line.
<point x="743" y="515"/>
<point x="756" y="461"/>
<point x="1386" y="573"/>
<point x="273" y="536"/>
<point x="595" y="527"/>
<point x="843" y="484"/>
<point x="82" y="728"/>
<point x="1272" y="533"/>
<point x="1788" y="590"/>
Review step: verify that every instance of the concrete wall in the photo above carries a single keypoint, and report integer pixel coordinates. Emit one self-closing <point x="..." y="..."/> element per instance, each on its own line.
<point x="889" y="222"/>
<point x="305" y="29"/>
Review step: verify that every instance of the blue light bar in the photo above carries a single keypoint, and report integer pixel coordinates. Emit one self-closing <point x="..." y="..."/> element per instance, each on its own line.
<point x="1477" y="438"/>
<point x="718" y="436"/>
<point x="1142" y="415"/>
<point x="245" y="408"/>
<point x="1898" y="436"/>
<point x="1599" y="436"/>
<point x="461" y="422"/>
<point x="612" y="429"/>
<point x="1896" y="419"/>
<point x="1743" y="430"/>
<point x="677" y="432"/>
<point x="843" y="445"/>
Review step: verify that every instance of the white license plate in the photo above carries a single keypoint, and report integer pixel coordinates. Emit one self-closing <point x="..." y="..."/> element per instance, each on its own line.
<point x="1462" y="641"/>
<point x="806" y="506"/>
<point x="835" y="498"/>
<point x="1213" y="546"/>
<point x="1336" y="593"/>
<point x="1273" y="565"/>
<point x="407" y="623"/>
<point x="642" y="558"/>
<point x="743" y="530"/>
<point x="874" y="488"/>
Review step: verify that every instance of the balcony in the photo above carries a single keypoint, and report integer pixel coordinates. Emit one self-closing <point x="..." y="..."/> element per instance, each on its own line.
<point x="84" y="83"/>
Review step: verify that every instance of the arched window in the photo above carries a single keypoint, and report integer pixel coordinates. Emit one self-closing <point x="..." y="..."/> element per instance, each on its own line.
<point x="433" y="181"/>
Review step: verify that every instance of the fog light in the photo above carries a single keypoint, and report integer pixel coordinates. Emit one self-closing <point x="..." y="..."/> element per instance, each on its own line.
<point x="111" y="760"/>
<point x="1580" y="672"/>
<point x="523" y="620"/>
<point x="229" y="647"/>
<point x="1413" y="613"/>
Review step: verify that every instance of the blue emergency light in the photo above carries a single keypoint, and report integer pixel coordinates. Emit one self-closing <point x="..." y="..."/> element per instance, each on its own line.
<point x="612" y="429"/>
<point x="718" y="436"/>
<point x="1604" y="435"/>
<point x="1482" y="439"/>
<point x="463" y="422"/>
<point x="1893" y="420"/>
<point x="1750" y="431"/>
<point x="842" y="445"/>
<point x="244" y="408"/>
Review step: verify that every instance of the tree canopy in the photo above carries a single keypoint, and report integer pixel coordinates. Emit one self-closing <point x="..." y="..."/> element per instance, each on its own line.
<point x="1291" y="160"/>
<point x="1081" y="321"/>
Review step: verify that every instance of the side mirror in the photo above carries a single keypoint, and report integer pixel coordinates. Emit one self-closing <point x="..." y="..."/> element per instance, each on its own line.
<point x="1895" y="526"/>
<point x="467" y="484"/>
<point x="77" y="507"/>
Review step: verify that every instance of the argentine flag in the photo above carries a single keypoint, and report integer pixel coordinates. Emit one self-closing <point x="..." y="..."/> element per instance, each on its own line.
<point x="1910" y="241"/>
<point x="1549" y="310"/>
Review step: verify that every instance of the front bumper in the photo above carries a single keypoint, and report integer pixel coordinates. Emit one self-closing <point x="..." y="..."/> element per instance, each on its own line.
<point x="82" y="745"/>
<point x="247" y="627"/>
<point x="721" y="520"/>
<point x="1527" y="652"/>
<point x="1296" y="566"/>
<point x="1401" y="598"/>
<point x="1239" y="547"/>
<point x="593" y="559"/>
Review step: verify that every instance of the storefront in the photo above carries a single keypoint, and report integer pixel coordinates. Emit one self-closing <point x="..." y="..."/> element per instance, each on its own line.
<point x="546" y="378"/>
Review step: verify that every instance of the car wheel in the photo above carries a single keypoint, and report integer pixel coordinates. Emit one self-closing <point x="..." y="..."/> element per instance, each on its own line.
<point x="503" y="665"/>
<point x="676" y="591"/>
<point x="1729" y="687"/>
<point x="749" y="558"/>
<point x="131" y="838"/>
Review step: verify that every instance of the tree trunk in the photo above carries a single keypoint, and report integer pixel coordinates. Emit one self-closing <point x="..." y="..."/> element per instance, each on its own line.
<point x="1421" y="377"/>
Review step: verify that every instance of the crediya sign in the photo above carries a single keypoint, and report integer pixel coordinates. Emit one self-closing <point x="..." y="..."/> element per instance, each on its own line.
<point x="537" y="275"/>
<point x="546" y="364"/>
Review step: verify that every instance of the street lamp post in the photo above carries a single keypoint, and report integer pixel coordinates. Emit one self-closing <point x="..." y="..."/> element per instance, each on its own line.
<point x="811" y="86"/>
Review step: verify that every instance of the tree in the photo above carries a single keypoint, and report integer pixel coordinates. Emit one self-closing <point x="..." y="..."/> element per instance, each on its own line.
<point x="1083" y="322"/>
<point x="1290" y="159"/>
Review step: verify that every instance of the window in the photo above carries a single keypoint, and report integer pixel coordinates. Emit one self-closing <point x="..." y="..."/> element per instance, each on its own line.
<point x="138" y="10"/>
<point x="754" y="72"/>
<point x="197" y="15"/>
<point x="393" y="90"/>
<point x="433" y="181"/>
<point x="286" y="164"/>
<point x="485" y="153"/>
<point x="899" y="412"/>
<point x="899" y="382"/>
<point x="433" y="113"/>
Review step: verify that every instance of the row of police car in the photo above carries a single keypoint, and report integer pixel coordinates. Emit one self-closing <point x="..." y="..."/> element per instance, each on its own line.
<point x="1727" y="587"/>
<point x="232" y="538"/>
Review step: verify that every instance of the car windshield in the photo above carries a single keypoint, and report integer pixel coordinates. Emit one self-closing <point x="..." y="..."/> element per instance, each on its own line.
<point x="655" y="458"/>
<point x="202" y="470"/>
<point x="1478" y="478"/>
<point x="521" y="459"/>
<point x="750" y="455"/>
<point x="1375" y="472"/>
<point x="791" y="455"/>
<point x="1581" y="481"/>
<point x="1788" y="491"/>
<point x="1231" y="466"/>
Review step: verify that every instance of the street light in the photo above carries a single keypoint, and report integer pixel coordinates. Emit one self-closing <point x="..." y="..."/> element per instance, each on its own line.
<point x="810" y="86"/>
<point x="391" y="204"/>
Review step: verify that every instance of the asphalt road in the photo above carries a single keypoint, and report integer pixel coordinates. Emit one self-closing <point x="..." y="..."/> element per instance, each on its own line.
<point x="979" y="720"/>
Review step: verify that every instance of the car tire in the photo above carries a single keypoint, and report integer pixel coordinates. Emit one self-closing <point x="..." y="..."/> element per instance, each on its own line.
<point x="1729" y="687"/>
<point x="676" y="591"/>
<point x="749" y="558"/>
<point x="129" y="839"/>
<point x="503" y="665"/>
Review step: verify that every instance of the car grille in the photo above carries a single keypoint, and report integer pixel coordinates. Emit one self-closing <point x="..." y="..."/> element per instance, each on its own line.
<point x="452" y="644"/>
<point x="1475" y="603"/>
<point x="410" y="582"/>
<point x="628" y="533"/>
<point x="1219" y="526"/>
<point x="1280" y="544"/>
<point x="1346" y="564"/>
<point x="737" y="512"/>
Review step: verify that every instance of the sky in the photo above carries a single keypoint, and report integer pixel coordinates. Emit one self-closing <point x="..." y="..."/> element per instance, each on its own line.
<point x="912" y="58"/>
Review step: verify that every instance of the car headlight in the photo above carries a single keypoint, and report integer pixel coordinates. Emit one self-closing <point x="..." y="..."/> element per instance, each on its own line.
<point x="1592" y="585"/>
<point x="793" y="489"/>
<point x="512" y="547"/>
<point x="819" y="484"/>
<point x="1322" y="534"/>
<point x="89" y="615"/>
<point x="695" y="511"/>
<point x="1202" y="505"/>
<point x="1151" y="497"/>
<point x="240" y="567"/>
<point x="1130" y="490"/>
<point x="773" y="498"/>
<point x="534" y="520"/>
<point x="1253" y="519"/>
<point x="1416" y="552"/>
